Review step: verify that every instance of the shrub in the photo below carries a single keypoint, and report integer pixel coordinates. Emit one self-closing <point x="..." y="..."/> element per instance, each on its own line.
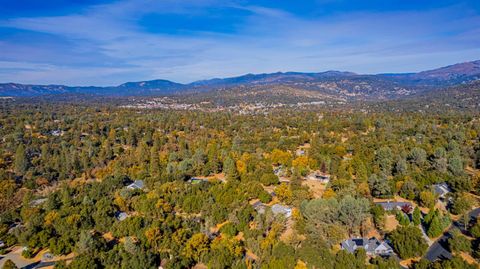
<point x="458" y="242"/>
<point x="408" y="242"/>
<point x="229" y="229"/>
<point x="9" y="264"/>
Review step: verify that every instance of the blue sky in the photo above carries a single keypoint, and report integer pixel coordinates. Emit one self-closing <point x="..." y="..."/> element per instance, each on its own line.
<point x="86" y="42"/>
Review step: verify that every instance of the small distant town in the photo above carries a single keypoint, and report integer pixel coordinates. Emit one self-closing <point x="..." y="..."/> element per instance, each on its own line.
<point x="169" y="103"/>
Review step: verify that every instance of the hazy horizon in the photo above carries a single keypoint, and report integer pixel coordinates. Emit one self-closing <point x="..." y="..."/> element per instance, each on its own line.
<point x="239" y="75"/>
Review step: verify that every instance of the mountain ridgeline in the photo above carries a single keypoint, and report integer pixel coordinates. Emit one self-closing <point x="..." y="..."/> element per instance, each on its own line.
<point x="330" y="85"/>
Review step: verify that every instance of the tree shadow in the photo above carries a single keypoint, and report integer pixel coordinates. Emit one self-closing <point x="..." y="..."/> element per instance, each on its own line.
<point x="31" y="266"/>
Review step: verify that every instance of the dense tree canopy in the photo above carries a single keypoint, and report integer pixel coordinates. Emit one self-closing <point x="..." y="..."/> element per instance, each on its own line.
<point x="208" y="176"/>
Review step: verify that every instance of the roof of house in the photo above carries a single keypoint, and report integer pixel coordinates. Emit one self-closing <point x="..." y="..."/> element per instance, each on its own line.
<point x="199" y="178"/>
<point x="317" y="175"/>
<point x="57" y="132"/>
<point x="279" y="170"/>
<point x="259" y="207"/>
<point x="300" y="152"/>
<point x="121" y="215"/>
<point x="38" y="201"/>
<point x="137" y="184"/>
<point x="441" y="189"/>
<point x="196" y="180"/>
<point x="14" y="226"/>
<point x="257" y="203"/>
<point x="352" y="244"/>
<point x="370" y="245"/>
<point x="281" y="209"/>
<point x="392" y="205"/>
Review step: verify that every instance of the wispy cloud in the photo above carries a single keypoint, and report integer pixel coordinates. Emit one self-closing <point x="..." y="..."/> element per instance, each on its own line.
<point x="107" y="44"/>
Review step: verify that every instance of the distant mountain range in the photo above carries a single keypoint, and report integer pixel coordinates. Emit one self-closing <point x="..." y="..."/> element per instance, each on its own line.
<point x="331" y="84"/>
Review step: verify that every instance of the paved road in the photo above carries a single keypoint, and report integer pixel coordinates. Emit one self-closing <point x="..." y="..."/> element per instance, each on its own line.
<point x="475" y="213"/>
<point x="16" y="256"/>
<point x="439" y="249"/>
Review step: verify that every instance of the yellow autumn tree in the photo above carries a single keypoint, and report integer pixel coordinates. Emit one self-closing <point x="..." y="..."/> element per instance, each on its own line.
<point x="51" y="217"/>
<point x="242" y="163"/>
<point x="363" y="189"/>
<point x="196" y="247"/>
<point x="231" y="244"/>
<point x="267" y="243"/>
<point x="153" y="236"/>
<point x="329" y="193"/>
<point x="120" y="202"/>
<point x="340" y="151"/>
<point x="284" y="193"/>
<point x="300" y="265"/>
<point x="280" y="157"/>
<point x="302" y="164"/>
<point x="241" y="167"/>
<point x="73" y="220"/>
<point x="163" y="206"/>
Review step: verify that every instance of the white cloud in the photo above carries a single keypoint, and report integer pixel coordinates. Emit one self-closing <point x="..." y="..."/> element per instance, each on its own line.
<point x="109" y="47"/>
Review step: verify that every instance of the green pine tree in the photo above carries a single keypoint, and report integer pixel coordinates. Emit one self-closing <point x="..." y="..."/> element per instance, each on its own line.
<point x="230" y="169"/>
<point x="21" y="161"/>
<point x="417" y="216"/>
<point x="435" y="227"/>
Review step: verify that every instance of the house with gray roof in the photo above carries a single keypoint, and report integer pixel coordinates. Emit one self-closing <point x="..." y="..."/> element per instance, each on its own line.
<point x="136" y="185"/>
<point x="57" y="133"/>
<point x="441" y="190"/>
<point x="121" y="216"/>
<point x="38" y="202"/>
<point x="279" y="171"/>
<point x="389" y="206"/>
<point x="372" y="246"/>
<point x="259" y="207"/>
<point x="281" y="209"/>
<point x="15" y="226"/>
<point x="197" y="180"/>
<point x="300" y="152"/>
<point x="319" y="176"/>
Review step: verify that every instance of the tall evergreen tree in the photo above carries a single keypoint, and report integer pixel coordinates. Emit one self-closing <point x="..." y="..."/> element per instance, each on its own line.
<point x="417" y="216"/>
<point x="21" y="161"/>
